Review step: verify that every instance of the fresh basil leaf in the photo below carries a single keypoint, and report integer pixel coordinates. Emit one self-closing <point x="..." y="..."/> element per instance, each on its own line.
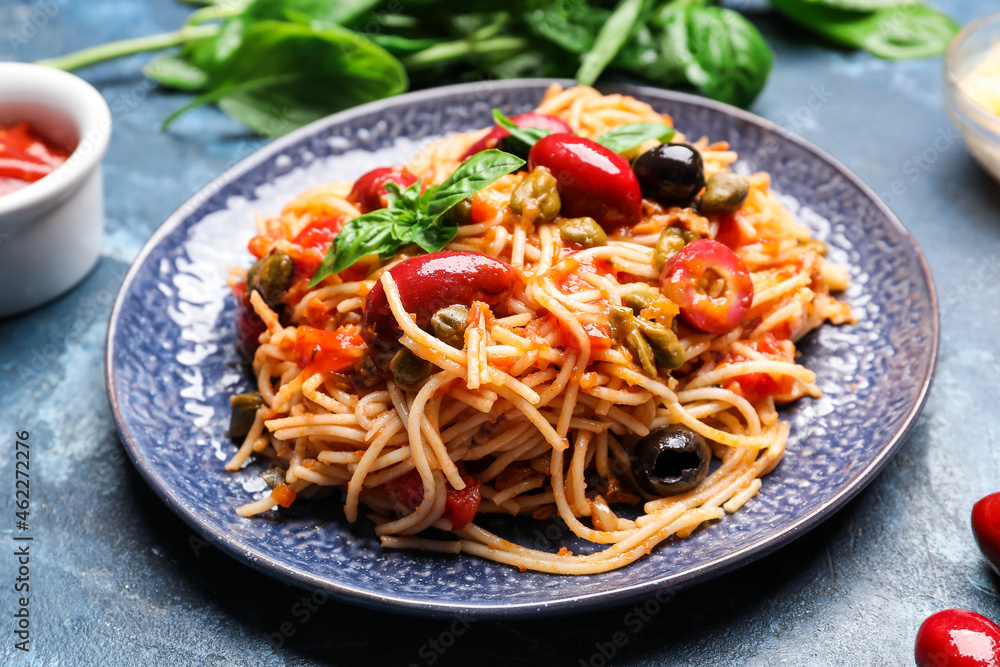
<point x="609" y="41"/>
<point x="526" y="135"/>
<point x="476" y="173"/>
<point x="176" y="72"/>
<point x="568" y="25"/>
<point x="907" y="31"/>
<point x="720" y="52"/>
<point x="624" y="138"/>
<point x="285" y="75"/>
<point x="860" y="5"/>
<point x="364" y="235"/>
<point x="414" y="216"/>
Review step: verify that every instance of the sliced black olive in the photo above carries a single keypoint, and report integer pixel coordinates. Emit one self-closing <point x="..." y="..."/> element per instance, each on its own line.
<point x="670" y="460"/>
<point x="671" y="174"/>
<point x="243" y="412"/>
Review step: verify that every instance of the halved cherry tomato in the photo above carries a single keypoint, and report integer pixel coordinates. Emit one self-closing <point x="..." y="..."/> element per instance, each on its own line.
<point x="249" y="326"/>
<point x="428" y="283"/>
<point x="369" y="193"/>
<point x="757" y="386"/>
<point x="710" y="284"/>
<point x="531" y="119"/>
<point x="957" y="638"/>
<point x="593" y="181"/>
<point x="460" y="507"/>
<point x="320" y="351"/>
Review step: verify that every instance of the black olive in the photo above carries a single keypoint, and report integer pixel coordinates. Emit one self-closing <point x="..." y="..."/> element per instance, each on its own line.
<point x="670" y="460"/>
<point x="671" y="174"/>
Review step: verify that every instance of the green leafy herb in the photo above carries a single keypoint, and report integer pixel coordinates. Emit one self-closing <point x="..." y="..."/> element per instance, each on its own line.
<point x="526" y="136"/>
<point x="278" y="64"/>
<point x="624" y="138"/>
<point x="609" y="41"/>
<point x="905" y="30"/>
<point x="718" y="50"/>
<point x="414" y="216"/>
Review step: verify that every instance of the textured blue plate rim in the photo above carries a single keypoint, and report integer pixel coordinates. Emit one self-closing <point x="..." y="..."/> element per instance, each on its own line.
<point x="493" y="611"/>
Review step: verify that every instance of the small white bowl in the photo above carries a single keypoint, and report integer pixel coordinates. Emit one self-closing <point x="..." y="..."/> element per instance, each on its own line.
<point x="50" y="230"/>
<point x="979" y="127"/>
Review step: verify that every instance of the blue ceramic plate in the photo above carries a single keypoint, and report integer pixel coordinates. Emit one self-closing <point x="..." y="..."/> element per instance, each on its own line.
<point x="171" y="368"/>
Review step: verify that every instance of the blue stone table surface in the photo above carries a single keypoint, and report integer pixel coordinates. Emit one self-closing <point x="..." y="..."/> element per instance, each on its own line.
<point x="116" y="578"/>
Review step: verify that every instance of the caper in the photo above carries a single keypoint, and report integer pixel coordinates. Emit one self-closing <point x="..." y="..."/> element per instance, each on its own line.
<point x="274" y="476"/>
<point x="641" y="298"/>
<point x="725" y="192"/>
<point x="667" y="350"/>
<point x="271" y="276"/>
<point x="368" y="371"/>
<point x="459" y="214"/>
<point x="621" y="321"/>
<point x="448" y="325"/>
<point x="671" y="240"/>
<point x="243" y="412"/>
<point x="641" y="351"/>
<point x="814" y="244"/>
<point x="539" y="187"/>
<point x="409" y="368"/>
<point x="584" y="231"/>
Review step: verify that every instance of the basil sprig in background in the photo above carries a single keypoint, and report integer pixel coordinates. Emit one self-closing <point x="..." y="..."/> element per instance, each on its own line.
<point x="276" y="65"/>
<point x="414" y="216"/>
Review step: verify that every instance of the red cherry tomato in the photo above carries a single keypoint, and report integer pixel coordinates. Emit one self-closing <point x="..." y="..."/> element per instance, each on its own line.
<point x="531" y="119"/>
<point x="369" y="193"/>
<point x="593" y="181"/>
<point x="957" y="638"/>
<point x="428" y="283"/>
<point x="460" y="507"/>
<point x="986" y="528"/>
<point x="249" y="326"/>
<point x="691" y="280"/>
<point x="729" y="232"/>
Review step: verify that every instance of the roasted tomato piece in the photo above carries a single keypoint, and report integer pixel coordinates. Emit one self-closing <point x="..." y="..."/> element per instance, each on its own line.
<point x="757" y="386"/>
<point x="428" y="283"/>
<point x="319" y="233"/>
<point x="322" y="351"/>
<point x="594" y="181"/>
<point x="710" y="284"/>
<point x="369" y="193"/>
<point x="460" y="507"/>
<point x="497" y="134"/>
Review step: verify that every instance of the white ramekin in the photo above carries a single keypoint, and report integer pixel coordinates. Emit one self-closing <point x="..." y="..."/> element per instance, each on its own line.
<point x="979" y="127"/>
<point x="50" y="231"/>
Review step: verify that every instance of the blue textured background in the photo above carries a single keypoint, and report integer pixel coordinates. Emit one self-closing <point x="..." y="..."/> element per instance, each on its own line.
<point x="118" y="579"/>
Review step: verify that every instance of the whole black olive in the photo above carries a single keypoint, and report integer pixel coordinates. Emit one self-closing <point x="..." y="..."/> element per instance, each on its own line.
<point x="670" y="460"/>
<point x="671" y="174"/>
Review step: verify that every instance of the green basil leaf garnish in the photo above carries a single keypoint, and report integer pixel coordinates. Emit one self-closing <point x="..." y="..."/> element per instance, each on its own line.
<point x="626" y="137"/>
<point x="414" y="214"/>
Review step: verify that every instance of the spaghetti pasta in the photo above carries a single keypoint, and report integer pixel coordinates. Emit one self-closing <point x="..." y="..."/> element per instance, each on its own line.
<point x="538" y="406"/>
